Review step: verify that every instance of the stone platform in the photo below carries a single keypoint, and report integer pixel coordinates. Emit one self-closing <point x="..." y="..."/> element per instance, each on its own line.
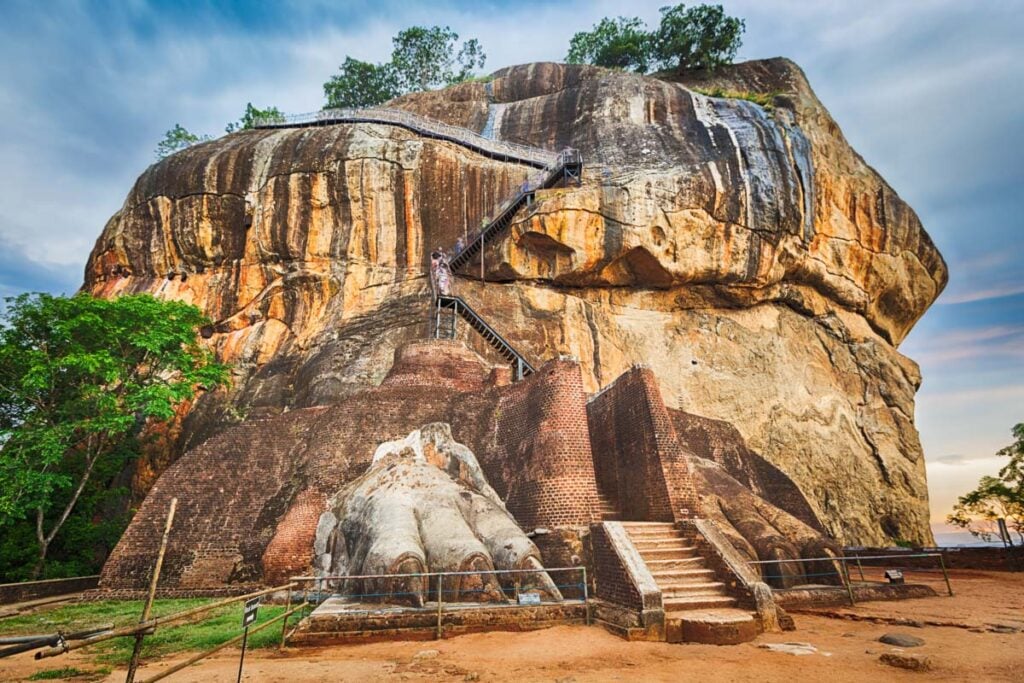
<point x="725" y="626"/>
<point x="337" y="620"/>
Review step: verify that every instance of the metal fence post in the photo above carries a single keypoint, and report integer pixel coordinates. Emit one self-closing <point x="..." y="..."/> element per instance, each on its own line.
<point x="440" y="597"/>
<point x="586" y="596"/>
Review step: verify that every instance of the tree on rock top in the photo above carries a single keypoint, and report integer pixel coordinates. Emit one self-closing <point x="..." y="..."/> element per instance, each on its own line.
<point x="361" y="84"/>
<point x="422" y="59"/>
<point x="700" y="37"/>
<point x="177" y="139"/>
<point x="79" y="379"/>
<point x="615" y="43"/>
<point x="252" y="116"/>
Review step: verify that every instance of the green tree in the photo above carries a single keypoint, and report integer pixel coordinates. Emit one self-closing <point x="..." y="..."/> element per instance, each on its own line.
<point x="422" y="58"/>
<point x="700" y="37"/>
<point x="995" y="498"/>
<point x="79" y="379"/>
<point x="361" y="84"/>
<point x="177" y="139"/>
<point x="622" y="43"/>
<point x="425" y="58"/>
<point x="252" y="115"/>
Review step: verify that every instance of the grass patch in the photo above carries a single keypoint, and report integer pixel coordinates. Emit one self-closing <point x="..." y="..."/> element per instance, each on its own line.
<point x="57" y="674"/>
<point x="764" y="99"/>
<point x="202" y="632"/>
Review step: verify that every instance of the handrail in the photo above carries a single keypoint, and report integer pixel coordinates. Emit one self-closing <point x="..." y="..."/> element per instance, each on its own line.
<point x="525" y="153"/>
<point x="525" y="570"/>
<point x="565" y="158"/>
<point x="457" y="303"/>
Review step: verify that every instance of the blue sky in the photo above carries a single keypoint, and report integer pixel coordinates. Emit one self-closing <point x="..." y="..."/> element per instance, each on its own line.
<point x="930" y="92"/>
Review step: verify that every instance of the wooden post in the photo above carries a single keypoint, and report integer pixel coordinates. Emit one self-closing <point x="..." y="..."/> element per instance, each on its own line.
<point x="845" y="573"/>
<point x="284" y="626"/>
<point x="945" y="574"/>
<point x="133" y="663"/>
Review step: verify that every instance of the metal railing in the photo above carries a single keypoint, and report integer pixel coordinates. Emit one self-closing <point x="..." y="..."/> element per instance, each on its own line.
<point x="841" y="569"/>
<point x="420" y="124"/>
<point x="436" y="586"/>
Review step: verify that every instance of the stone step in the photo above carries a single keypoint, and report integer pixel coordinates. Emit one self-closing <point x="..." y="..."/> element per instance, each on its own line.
<point x="648" y="528"/>
<point x="669" y="575"/>
<point x="674" y="564"/>
<point x="655" y="554"/>
<point x="683" y="590"/>
<point x="660" y="543"/>
<point x="722" y="626"/>
<point x="696" y="602"/>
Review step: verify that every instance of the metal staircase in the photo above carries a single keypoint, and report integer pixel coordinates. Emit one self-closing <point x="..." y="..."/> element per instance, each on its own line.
<point x="458" y="307"/>
<point x="567" y="166"/>
<point x="553" y="168"/>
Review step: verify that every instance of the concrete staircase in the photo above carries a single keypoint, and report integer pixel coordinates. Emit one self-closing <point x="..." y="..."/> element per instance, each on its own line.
<point x="698" y="608"/>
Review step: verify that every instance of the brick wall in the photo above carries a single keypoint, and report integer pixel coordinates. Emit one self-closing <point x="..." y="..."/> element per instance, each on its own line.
<point x="639" y="459"/>
<point x="544" y="458"/>
<point x="610" y="576"/>
<point x="249" y="498"/>
<point x="23" y="591"/>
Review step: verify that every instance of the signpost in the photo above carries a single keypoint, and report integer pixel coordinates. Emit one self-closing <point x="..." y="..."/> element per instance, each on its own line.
<point x="529" y="598"/>
<point x="252" y="606"/>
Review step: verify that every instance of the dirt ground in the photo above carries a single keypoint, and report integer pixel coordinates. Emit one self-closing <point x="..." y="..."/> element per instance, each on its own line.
<point x="967" y="647"/>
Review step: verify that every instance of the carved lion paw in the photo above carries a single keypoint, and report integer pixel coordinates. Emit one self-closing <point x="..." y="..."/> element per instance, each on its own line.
<point x="424" y="505"/>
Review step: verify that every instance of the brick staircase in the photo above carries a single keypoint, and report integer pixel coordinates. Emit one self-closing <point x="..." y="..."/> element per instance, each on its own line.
<point x="609" y="510"/>
<point x="681" y="573"/>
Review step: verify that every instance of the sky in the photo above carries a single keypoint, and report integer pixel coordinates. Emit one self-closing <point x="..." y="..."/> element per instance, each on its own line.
<point x="930" y="92"/>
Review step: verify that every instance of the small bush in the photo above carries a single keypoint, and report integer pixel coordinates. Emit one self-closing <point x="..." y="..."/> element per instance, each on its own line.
<point x="764" y="99"/>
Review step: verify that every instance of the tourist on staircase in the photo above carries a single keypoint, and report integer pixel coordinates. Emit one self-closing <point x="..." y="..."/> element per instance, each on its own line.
<point x="440" y="273"/>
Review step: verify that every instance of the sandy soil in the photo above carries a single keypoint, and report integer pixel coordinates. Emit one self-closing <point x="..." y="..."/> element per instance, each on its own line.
<point x="965" y="648"/>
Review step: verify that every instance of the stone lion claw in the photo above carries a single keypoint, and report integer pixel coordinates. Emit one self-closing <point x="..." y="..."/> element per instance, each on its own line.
<point x="424" y="506"/>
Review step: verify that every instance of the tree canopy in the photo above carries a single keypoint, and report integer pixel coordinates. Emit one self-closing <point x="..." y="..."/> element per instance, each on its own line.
<point x="360" y="84"/>
<point x="700" y="37"/>
<point x="995" y="498"/>
<point x="79" y="378"/>
<point x="251" y="115"/>
<point x="616" y="43"/>
<point x="422" y="58"/>
<point x="177" y="139"/>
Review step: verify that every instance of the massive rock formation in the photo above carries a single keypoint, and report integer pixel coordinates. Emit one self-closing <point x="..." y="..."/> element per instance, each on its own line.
<point x="748" y="255"/>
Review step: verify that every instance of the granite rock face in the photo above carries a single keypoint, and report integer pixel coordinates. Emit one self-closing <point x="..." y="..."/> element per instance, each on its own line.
<point x="750" y="257"/>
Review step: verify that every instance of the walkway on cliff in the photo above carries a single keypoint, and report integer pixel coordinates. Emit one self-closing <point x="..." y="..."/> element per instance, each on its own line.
<point x="554" y="167"/>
